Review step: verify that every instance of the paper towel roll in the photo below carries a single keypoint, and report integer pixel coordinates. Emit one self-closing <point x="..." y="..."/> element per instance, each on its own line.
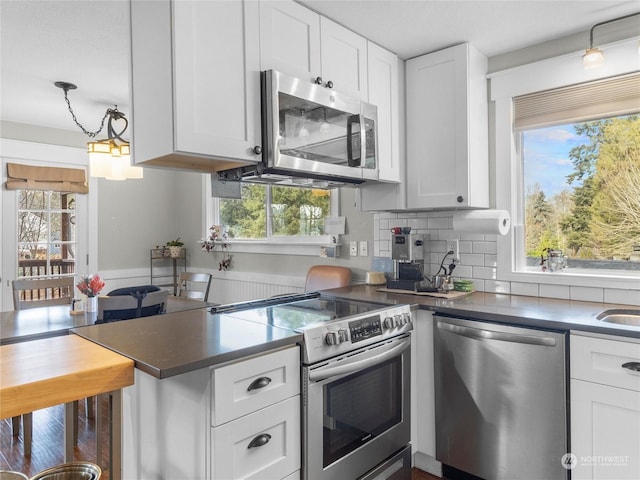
<point x="482" y="221"/>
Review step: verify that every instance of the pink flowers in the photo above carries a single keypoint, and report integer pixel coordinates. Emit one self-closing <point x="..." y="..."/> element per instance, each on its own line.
<point x="90" y="285"/>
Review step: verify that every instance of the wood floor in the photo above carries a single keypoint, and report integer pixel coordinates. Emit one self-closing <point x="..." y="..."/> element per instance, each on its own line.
<point x="48" y="439"/>
<point x="47" y="446"/>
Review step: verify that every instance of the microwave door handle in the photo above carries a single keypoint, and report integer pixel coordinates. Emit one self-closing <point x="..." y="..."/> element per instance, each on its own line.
<point x="357" y="365"/>
<point x="363" y="142"/>
<point x="351" y="161"/>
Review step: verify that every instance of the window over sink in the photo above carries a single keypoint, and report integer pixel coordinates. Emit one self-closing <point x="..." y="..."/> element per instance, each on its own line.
<point x="567" y="149"/>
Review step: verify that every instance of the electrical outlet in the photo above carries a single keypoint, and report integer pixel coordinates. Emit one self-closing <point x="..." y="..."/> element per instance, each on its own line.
<point x="364" y="248"/>
<point x="454" y="246"/>
<point x="353" y="249"/>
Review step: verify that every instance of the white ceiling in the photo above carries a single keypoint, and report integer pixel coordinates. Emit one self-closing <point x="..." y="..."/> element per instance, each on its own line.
<point x="86" y="42"/>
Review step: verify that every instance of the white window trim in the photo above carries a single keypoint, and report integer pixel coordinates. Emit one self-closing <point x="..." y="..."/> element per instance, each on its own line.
<point x="41" y="154"/>
<point x="299" y="246"/>
<point x="621" y="57"/>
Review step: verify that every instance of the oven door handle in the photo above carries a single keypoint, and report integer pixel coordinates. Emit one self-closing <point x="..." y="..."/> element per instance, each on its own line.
<point x="357" y="365"/>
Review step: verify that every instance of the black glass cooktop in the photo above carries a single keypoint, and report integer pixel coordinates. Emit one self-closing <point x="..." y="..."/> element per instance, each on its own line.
<point x="296" y="314"/>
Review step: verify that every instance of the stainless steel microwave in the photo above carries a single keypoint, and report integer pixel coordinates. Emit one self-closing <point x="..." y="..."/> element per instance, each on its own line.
<point x="312" y="136"/>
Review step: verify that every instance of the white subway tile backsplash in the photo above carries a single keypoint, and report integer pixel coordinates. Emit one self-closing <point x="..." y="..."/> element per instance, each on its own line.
<point x="587" y="294"/>
<point x="526" y="289"/>
<point x="484" y="247"/>
<point x="495" y="286"/>
<point x="439" y="223"/>
<point x="463" y="271"/>
<point x="472" y="259"/>
<point x="486" y="273"/>
<point x="490" y="260"/>
<point x="555" y="291"/>
<point x="478" y="254"/>
<point x="472" y="237"/>
<point x="625" y="297"/>
<point x="466" y="247"/>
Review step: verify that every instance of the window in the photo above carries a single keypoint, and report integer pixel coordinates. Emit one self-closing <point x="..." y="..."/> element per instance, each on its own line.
<point x="581" y="193"/>
<point x="276" y="212"/>
<point x="564" y="136"/>
<point x="274" y="219"/>
<point x="47" y="241"/>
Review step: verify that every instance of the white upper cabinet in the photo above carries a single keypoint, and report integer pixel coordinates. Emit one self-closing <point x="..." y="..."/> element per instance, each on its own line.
<point x="298" y="42"/>
<point x="447" y="130"/>
<point x="384" y="93"/>
<point x="290" y="39"/>
<point x="195" y="83"/>
<point x="344" y="59"/>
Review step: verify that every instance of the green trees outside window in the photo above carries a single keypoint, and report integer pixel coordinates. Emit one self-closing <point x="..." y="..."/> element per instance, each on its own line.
<point x="584" y="201"/>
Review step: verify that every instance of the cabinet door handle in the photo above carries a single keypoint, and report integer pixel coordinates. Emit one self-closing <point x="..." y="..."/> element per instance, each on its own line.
<point x="259" y="383"/>
<point x="329" y="84"/>
<point x="635" y="366"/>
<point x="260" y="440"/>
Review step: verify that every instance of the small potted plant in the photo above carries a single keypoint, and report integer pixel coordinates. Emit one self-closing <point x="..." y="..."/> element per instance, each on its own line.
<point x="175" y="247"/>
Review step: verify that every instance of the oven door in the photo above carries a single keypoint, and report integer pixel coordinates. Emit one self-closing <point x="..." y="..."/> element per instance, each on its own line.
<point x="356" y="410"/>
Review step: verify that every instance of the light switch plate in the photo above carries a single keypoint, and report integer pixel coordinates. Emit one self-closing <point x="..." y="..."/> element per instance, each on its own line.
<point x="363" y="248"/>
<point x="353" y="249"/>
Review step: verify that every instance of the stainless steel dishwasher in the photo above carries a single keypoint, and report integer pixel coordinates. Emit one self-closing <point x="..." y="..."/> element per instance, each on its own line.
<point x="501" y="400"/>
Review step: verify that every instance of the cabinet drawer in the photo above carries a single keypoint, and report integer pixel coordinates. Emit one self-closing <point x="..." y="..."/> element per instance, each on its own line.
<point x="273" y="460"/>
<point x="601" y="361"/>
<point x="250" y="385"/>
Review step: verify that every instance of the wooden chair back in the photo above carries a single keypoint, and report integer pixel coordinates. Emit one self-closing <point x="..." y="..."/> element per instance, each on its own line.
<point x="194" y="286"/>
<point x="322" y="277"/>
<point x="31" y="293"/>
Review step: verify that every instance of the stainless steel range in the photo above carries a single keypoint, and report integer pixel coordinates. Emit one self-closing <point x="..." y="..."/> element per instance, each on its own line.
<point x="356" y="383"/>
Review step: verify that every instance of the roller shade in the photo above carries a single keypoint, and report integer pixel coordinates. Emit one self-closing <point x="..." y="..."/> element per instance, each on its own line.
<point x="578" y="103"/>
<point x="29" y="177"/>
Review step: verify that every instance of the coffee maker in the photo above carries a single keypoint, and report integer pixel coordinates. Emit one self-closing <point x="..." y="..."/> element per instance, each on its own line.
<point x="407" y="253"/>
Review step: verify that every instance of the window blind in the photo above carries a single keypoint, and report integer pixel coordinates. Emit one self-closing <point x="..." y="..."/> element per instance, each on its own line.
<point x="578" y="103"/>
<point x="29" y="177"/>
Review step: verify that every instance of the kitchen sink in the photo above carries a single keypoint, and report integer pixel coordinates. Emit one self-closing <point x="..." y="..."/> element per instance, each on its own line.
<point x="621" y="316"/>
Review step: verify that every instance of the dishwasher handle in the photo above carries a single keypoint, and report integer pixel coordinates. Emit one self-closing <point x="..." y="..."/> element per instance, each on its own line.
<point x="486" y="334"/>
<point x="357" y="365"/>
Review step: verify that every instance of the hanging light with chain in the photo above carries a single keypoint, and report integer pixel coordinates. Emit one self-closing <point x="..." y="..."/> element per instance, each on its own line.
<point x="108" y="158"/>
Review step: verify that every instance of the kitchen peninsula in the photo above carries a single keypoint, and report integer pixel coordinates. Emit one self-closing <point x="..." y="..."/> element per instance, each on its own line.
<point x="193" y="370"/>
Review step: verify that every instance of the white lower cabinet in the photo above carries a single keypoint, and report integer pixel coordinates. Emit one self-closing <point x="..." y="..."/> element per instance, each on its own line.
<point x="605" y="408"/>
<point x="262" y="445"/>
<point x="199" y="425"/>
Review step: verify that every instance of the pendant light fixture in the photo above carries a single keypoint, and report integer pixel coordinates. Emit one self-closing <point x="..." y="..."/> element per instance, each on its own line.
<point x="109" y="158"/>
<point x="593" y="56"/>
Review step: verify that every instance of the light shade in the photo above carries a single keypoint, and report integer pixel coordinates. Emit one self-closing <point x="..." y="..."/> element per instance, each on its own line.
<point x="112" y="161"/>
<point x="592" y="58"/>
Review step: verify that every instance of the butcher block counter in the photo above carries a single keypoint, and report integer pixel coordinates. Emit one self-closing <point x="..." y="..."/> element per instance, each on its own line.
<point x="57" y="370"/>
<point x="52" y="371"/>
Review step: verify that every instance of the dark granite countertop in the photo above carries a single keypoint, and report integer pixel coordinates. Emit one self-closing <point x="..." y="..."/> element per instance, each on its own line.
<point x="514" y="309"/>
<point x="175" y="343"/>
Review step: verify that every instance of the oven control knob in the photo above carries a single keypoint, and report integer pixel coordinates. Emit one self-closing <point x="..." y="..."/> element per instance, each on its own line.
<point x="331" y="338"/>
<point x="388" y="323"/>
<point x="342" y="335"/>
<point x="406" y="318"/>
<point x="397" y="320"/>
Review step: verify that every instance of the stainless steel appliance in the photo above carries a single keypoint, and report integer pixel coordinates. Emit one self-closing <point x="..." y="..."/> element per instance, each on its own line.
<point x="356" y="383"/>
<point x="407" y="253"/>
<point x="311" y="136"/>
<point x="501" y="396"/>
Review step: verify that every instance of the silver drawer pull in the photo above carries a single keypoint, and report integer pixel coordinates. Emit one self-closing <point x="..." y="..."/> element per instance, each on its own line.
<point x="259" y="383"/>
<point x="635" y="366"/>
<point x="260" y="440"/>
